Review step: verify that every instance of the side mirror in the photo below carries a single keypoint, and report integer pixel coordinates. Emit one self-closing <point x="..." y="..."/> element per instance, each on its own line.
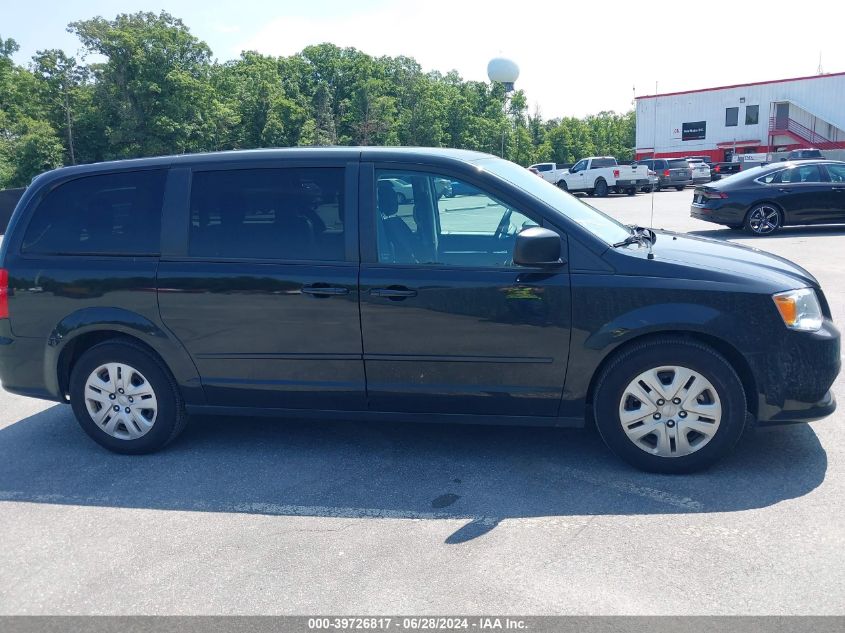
<point x="537" y="247"/>
<point x="572" y="169"/>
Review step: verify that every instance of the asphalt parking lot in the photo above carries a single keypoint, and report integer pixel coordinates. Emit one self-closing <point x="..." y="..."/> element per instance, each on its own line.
<point x="253" y="516"/>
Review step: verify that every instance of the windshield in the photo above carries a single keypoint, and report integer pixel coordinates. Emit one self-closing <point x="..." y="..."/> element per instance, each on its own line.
<point x="602" y="226"/>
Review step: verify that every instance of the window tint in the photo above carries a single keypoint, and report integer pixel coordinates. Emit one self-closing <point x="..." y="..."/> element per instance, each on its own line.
<point x="581" y="165"/>
<point x="836" y="173"/>
<point x="603" y="162"/>
<point x="544" y="167"/>
<point x="752" y="114"/>
<point x="731" y="116"/>
<point x="470" y="228"/>
<point x="294" y="214"/>
<point x="678" y="164"/>
<point x="109" y="214"/>
<point x="804" y="173"/>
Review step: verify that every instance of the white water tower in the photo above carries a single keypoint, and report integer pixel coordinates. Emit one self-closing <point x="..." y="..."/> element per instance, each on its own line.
<point x="503" y="71"/>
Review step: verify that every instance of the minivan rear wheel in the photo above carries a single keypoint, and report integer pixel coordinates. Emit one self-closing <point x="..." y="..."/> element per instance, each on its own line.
<point x="125" y="398"/>
<point x="670" y="406"/>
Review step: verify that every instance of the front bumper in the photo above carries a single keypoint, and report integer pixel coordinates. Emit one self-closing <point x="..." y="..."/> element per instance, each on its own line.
<point x="794" y="381"/>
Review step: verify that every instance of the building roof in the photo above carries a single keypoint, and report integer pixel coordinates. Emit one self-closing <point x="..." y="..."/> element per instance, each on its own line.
<point x="753" y="83"/>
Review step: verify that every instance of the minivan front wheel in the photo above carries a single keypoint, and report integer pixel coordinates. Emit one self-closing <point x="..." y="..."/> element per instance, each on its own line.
<point x="763" y="219"/>
<point x="670" y="406"/>
<point x="125" y="398"/>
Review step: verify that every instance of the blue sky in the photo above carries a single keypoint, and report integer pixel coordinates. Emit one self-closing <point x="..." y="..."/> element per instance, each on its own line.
<point x="575" y="58"/>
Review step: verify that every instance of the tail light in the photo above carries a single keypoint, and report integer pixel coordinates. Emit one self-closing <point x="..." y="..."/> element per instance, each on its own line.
<point x="717" y="168"/>
<point x="616" y="173"/>
<point x="665" y="173"/>
<point x="714" y="195"/>
<point x="4" y="293"/>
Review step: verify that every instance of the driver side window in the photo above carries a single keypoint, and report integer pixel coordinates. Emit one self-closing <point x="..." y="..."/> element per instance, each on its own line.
<point x="424" y="218"/>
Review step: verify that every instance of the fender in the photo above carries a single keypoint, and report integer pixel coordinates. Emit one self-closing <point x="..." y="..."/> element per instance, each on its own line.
<point x="669" y="318"/>
<point x="107" y="319"/>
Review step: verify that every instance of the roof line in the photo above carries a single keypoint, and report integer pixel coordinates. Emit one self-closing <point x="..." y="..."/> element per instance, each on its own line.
<point x="753" y="83"/>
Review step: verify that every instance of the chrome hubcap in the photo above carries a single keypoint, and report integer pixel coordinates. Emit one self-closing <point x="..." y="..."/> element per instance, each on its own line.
<point x="121" y="401"/>
<point x="670" y="411"/>
<point x="764" y="220"/>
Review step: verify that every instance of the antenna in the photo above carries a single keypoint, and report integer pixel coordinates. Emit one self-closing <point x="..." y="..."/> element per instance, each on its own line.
<point x="653" y="155"/>
<point x="819" y="70"/>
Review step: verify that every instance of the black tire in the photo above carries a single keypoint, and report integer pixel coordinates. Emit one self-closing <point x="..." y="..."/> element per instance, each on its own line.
<point x="562" y="184"/>
<point x="600" y="188"/>
<point x="654" y="353"/>
<point x="171" y="417"/>
<point x="631" y="191"/>
<point x="773" y="219"/>
<point x="679" y="187"/>
<point x="646" y="189"/>
<point x="658" y="188"/>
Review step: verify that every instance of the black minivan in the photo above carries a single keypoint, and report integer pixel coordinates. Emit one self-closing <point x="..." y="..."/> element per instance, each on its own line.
<point x="296" y="283"/>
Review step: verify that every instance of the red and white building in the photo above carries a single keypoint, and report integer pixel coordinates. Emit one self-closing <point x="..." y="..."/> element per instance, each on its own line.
<point x="761" y="117"/>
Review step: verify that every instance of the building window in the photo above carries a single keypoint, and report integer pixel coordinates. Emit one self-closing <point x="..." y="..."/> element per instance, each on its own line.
<point x="752" y="114"/>
<point x="731" y="117"/>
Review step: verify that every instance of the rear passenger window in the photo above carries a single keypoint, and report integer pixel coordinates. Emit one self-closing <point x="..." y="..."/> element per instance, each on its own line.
<point x="109" y="214"/>
<point x="294" y="214"/>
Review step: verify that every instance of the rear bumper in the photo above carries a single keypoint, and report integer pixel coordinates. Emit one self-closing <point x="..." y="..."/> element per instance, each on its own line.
<point x="632" y="182"/>
<point x="726" y="216"/>
<point x="22" y="365"/>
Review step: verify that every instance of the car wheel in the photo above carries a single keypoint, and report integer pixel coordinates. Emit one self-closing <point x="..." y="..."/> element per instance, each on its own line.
<point x="632" y="191"/>
<point x="763" y="219"/>
<point x="646" y="189"/>
<point x="401" y="199"/>
<point x="562" y="184"/>
<point x="600" y="188"/>
<point x="679" y="188"/>
<point x="670" y="406"/>
<point x="125" y="398"/>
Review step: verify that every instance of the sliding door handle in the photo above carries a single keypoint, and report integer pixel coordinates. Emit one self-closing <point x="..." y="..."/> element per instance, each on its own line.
<point x="393" y="293"/>
<point x="324" y="291"/>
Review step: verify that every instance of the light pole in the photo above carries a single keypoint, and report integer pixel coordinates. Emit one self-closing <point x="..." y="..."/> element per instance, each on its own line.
<point x="503" y="71"/>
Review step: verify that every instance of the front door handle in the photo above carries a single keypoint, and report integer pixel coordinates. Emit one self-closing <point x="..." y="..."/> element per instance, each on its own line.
<point x="324" y="291"/>
<point x="782" y="190"/>
<point x="396" y="293"/>
<point x="839" y="188"/>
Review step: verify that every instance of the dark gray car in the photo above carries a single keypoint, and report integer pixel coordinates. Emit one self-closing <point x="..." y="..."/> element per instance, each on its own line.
<point x="671" y="172"/>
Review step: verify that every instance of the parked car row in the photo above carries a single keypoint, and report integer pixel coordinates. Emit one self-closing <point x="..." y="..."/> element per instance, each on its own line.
<point x="596" y="176"/>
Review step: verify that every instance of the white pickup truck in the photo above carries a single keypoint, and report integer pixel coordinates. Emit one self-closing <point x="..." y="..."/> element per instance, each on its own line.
<point x="597" y="175"/>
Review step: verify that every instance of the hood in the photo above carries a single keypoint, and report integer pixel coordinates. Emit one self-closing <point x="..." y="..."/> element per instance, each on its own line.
<point x="716" y="260"/>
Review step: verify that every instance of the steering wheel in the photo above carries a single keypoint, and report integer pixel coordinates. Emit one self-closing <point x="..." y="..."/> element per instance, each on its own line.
<point x="504" y="225"/>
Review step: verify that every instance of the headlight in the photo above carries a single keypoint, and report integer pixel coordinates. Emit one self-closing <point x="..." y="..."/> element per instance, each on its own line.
<point x="800" y="309"/>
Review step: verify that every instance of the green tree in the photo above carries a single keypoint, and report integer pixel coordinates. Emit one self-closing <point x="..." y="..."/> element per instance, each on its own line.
<point x="153" y="91"/>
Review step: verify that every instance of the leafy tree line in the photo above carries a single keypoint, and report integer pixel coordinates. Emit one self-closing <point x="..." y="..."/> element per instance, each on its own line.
<point x="159" y="91"/>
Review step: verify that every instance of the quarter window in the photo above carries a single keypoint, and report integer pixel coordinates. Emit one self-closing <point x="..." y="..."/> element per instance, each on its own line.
<point x="289" y="214"/>
<point x="467" y="227"/>
<point x="109" y="214"/>
<point x="731" y="117"/>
